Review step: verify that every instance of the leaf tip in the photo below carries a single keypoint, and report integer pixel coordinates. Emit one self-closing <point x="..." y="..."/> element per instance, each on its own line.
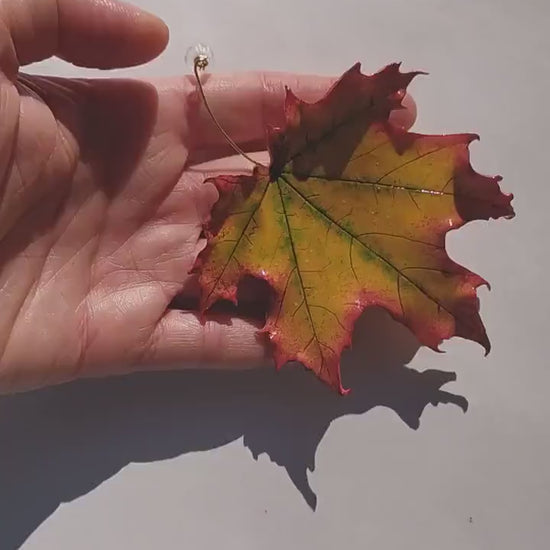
<point x="290" y="95"/>
<point x="419" y="73"/>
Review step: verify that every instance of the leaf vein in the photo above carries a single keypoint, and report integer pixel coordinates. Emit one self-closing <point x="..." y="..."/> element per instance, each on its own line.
<point x="295" y="258"/>
<point x="373" y="251"/>
<point x="237" y="242"/>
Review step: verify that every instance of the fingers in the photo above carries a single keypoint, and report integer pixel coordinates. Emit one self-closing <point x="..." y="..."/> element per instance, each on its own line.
<point x="245" y="104"/>
<point x="181" y="340"/>
<point x="91" y="33"/>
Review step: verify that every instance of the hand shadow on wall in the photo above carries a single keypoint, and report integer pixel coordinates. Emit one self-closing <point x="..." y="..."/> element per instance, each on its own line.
<point x="60" y="443"/>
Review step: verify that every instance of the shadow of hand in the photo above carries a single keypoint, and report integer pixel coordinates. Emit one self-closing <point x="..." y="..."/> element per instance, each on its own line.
<point x="60" y="443"/>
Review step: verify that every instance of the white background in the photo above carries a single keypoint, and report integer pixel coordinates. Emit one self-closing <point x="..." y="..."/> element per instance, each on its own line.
<point x="170" y="461"/>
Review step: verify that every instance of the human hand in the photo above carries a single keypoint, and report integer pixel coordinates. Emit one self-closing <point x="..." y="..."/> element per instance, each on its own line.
<point x="102" y="196"/>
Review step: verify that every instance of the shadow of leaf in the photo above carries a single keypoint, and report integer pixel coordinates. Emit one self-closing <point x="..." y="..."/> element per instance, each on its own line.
<point x="60" y="443"/>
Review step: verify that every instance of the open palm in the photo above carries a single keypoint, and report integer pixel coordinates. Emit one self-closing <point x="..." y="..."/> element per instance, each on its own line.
<point x="102" y="196"/>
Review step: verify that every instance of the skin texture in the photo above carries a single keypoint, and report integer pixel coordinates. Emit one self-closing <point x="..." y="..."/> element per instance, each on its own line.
<point x="102" y="196"/>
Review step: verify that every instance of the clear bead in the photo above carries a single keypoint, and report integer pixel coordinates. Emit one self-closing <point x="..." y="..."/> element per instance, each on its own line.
<point x="200" y="54"/>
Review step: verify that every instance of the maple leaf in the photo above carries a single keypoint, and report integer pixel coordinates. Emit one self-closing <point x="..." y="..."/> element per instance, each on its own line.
<point x="351" y="213"/>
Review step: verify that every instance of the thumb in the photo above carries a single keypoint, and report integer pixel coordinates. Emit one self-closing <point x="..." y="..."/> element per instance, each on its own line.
<point x="100" y="34"/>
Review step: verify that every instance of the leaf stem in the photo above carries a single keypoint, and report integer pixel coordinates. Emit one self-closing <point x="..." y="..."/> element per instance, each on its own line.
<point x="200" y="63"/>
